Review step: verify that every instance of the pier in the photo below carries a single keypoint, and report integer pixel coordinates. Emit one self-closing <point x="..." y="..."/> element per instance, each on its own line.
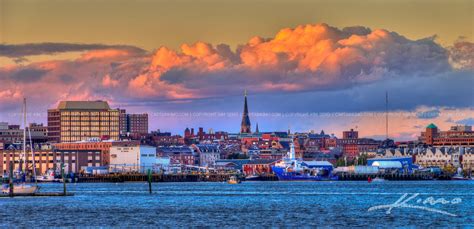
<point x="364" y="177"/>
<point x="117" y="178"/>
<point x="39" y="194"/>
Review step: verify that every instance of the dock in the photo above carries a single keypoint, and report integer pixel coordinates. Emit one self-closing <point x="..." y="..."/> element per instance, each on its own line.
<point x="39" y="194"/>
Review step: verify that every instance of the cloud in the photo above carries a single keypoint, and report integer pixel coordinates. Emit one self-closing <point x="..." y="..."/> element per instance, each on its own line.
<point x="312" y="68"/>
<point x="467" y="121"/>
<point x="22" y="50"/>
<point x="308" y="57"/>
<point x="428" y="114"/>
<point x="462" y="55"/>
<point x="28" y="75"/>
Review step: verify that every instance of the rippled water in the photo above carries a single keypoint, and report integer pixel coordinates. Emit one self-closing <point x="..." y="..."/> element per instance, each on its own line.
<point x="250" y="204"/>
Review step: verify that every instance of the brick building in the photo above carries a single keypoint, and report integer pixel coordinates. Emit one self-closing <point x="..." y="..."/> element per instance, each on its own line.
<point x="75" y="121"/>
<point x="456" y="136"/>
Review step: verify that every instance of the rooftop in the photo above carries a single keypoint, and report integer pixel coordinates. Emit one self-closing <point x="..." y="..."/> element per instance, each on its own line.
<point x="83" y="105"/>
<point x="431" y="126"/>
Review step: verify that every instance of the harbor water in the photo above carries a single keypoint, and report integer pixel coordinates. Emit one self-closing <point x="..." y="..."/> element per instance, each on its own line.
<point x="249" y="204"/>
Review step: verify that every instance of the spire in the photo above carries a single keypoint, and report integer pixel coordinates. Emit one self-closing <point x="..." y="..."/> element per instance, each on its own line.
<point x="256" y="129"/>
<point x="245" y="126"/>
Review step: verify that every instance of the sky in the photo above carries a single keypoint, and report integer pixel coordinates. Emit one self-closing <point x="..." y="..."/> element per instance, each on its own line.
<point x="307" y="65"/>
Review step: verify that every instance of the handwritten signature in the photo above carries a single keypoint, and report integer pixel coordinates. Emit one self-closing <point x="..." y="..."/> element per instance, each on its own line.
<point x="421" y="204"/>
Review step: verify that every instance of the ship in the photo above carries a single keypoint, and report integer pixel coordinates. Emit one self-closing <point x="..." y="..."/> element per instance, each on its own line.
<point x="292" y="169"/>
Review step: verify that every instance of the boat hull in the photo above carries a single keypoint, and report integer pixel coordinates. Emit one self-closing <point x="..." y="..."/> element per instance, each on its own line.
<point x="291" y="176"/>
<point x="21" y="189"/>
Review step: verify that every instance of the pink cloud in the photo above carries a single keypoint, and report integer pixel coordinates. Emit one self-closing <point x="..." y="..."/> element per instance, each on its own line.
<point x="308" y="57"/>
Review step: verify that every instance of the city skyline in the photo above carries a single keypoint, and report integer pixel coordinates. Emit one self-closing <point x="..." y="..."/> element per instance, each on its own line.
<point x="309" y="72"/>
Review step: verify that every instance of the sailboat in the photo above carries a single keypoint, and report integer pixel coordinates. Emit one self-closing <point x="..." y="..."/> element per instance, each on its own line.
<point x="23" y="187"/>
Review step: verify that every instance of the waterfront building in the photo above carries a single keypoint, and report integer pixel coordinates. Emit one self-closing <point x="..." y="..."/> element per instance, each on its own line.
<point x="245" y="126"/>
<point x="208" y="154"/>
<point x="38" y="132"/>
<point x="351" y="134"/>
<point x="75" y="121"/>
<point x="45" y="158"/>
<point x="353" y="145"/>
<point x="438" y="156"/>
<point x="133" y="126"/>
<point x="14" y="134"/>
<point x="179" y="155"/>
<point x="467" y="159"/>
<point x="272" y="154"/>
<point x="162" y="164"/>
<point x="157" y="138"/>
<point x="10" y="133"/>
<point x="456" y="136"/>
<point x="132" y="157"/>
<point x="231" y="164"/>
<point x="401" y="164"/>
<point x="258" y="167"/>
<point x="78" y="156"/>
<point x="456" y="156"/>
<point x="204" y="137"/>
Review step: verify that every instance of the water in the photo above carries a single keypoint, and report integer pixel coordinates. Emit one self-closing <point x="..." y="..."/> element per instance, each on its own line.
<point x="250" y="204"/>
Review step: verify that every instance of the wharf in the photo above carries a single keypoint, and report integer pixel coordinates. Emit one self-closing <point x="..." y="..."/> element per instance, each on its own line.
<point x="117" y="178"/>
<point x="406" y="177"/>
<point x="39" y="194"/>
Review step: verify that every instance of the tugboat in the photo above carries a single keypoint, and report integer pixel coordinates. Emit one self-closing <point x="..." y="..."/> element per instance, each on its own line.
<point x="292" y="169"/>
<point x="234" y="180"/>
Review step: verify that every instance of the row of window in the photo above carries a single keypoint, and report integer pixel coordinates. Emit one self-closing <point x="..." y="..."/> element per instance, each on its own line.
<point x="89" y="128"/>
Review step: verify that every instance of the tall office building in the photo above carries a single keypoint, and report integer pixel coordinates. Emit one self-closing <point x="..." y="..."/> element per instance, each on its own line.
<point x="133" y="125"/>
<point x="75" y="121"/>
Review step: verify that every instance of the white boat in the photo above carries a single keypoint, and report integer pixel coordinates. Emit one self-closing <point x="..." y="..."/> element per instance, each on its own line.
<point x="21" y="189"/>
<point x="378" y="179"/>
<point x="47" y="177"/>
<point x="459" y="177"/>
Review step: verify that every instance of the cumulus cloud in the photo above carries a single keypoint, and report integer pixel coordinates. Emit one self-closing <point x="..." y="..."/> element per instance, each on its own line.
<point x="324" y="67"/>
<point x="462" y="55"/>
<point x="308" y="57"/>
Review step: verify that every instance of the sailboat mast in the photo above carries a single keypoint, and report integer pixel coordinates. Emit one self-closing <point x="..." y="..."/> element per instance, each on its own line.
<point x="386" y="114"/>
<point x="32" y="154"/>
<point x="24" y="157"/>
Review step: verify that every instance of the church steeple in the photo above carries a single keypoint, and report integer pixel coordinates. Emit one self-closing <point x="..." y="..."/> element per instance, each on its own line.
<point x="245" y="126"/>
<point x="256" y="129"/>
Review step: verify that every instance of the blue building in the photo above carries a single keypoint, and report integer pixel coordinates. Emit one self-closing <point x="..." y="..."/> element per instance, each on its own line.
<point x="400" y="163"/>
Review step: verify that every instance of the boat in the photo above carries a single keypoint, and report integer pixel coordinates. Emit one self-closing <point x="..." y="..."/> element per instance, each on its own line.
<point x="22" y="187"/>
<point x="459" y="175"/>
<point x="49" y="176"/>
<point x="292" y="169"/>
<point x="378" y="179"/>
<point x="233" y="180"/>
<point x="252" y="177"/>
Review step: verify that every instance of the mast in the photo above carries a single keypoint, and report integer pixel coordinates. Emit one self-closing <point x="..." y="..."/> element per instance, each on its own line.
<point x="33" y="156"/>
<point x="24" y="136"/>
<point x="386" y="114"/>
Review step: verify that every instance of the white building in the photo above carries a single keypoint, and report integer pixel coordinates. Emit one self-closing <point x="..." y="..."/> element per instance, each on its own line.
<point x="208" y="154"/>
<point x="133" y="158"/>
<point x="162" y="164"/>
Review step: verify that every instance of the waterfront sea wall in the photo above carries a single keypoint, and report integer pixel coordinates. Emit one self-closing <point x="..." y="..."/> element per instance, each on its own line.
<point x="224" y="177"/>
